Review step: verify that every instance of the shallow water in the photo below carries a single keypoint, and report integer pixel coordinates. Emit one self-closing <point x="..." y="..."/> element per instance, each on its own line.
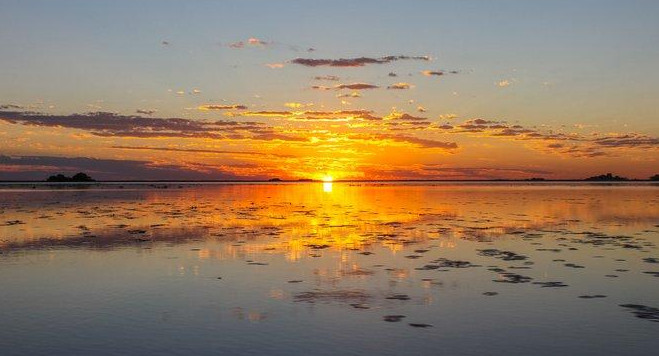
<point x="326" y="269"/>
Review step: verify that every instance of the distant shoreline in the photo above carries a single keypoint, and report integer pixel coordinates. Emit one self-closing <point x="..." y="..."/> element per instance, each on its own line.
<point x="99" y="182"/>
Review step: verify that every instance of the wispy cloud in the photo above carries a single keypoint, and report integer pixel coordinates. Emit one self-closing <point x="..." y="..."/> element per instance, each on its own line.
<point x="400" y="85"/>
<point x="208" y="107"/>
<point x="416" y="141"/>
<point x="430" y="73"/>
<point x="113" y="125"/>
<point x="356" y="86"/>
<point x="146" y="111"/>
<point x="327" y="77"/>
<point x="354" y="62"/>
<point x="194" y="150"/>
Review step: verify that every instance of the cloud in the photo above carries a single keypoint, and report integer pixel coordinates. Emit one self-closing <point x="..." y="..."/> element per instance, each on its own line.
<point x="311" y="115"/>
<point x="484" y="172"/>
<point x="146" y="111"/>
<point x="572" y="144"/>
<point x="257" y="42"/>
<point x="426" y="143"/>
<point x="207" y="107"/>
<point x="354" y="94"/>
<point x="416" y="141"/>
<point x="627" y="140"/>
<point x="447" y="116"/>
<point x="112" y="125"/>
<point x="295" y="105"/>
<point x="327" y="77"/>
<point x="275" y="65"/>
<point x="264" y="113"/>
<point x="404" y="117"/>
<point x="10" y="107"/>
<point x="193" y="150"/>
<point x="503" y="83"/>
<point x="429" y="73"/>
<point x="250" y="42"/>
<point x="356" y="86"/>
<point x="400" y="85"/>
<point x="353" y="62"/>
<point x="41" y="167"/>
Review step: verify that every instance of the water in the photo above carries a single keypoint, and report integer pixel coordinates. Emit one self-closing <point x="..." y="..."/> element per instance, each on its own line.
<point x="315" y="269"/>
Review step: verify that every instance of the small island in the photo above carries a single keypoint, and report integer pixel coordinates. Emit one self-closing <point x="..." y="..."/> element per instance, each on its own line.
<point x="78" y="177"/>
<point x="607" y="178"/>
<point x="655" y="177"/>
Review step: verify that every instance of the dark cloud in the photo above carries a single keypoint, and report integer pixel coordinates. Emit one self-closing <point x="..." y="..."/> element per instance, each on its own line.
<point x="356" y="86"/>
<point x="222" y="107"/>
<point x="113" y="125"/>
<point x="265" y="113"/>
<point x="408" y="117"/>
<point x="628" y="140"/>
<point x="41" y="167"/>
<point x="432" y="72"/>
<point x="480" y="122"/>
<point x="353" y="62"/>
<point x="429" y="73"/>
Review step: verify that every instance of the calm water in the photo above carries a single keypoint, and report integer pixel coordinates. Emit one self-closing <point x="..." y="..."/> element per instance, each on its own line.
<point x="328" y="269"/>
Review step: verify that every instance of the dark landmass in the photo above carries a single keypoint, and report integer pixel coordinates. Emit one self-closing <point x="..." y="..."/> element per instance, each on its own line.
<point x="82" y="177"/>
<point x="607" y="178"/>
<point x="78" y="177"/>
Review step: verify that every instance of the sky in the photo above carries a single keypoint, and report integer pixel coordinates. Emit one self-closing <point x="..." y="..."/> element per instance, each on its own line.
<point x="239" y="90"/>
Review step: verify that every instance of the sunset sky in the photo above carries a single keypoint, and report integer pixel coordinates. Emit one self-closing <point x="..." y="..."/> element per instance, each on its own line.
<point x="342" y="89"/>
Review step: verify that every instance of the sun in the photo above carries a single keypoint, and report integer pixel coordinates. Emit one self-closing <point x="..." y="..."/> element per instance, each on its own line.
<point x="327" y="179"/>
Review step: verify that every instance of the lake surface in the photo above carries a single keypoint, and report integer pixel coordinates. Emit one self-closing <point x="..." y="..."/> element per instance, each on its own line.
<point x="329" y="269"/>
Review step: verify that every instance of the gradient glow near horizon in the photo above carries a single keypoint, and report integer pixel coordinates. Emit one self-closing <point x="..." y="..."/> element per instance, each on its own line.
<point x="340" y="90"/>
